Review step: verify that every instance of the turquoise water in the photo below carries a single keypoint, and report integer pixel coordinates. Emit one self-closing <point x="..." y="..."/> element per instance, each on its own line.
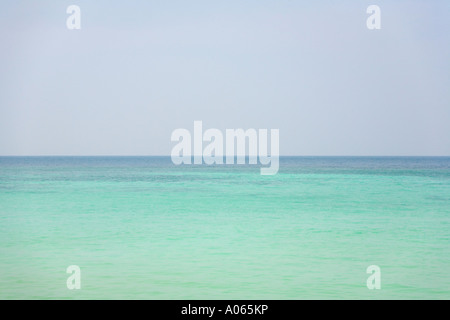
<point x="142" y="228"/>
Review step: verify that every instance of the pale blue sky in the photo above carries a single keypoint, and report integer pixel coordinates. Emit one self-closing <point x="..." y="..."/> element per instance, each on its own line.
<point x="137" y="70"/>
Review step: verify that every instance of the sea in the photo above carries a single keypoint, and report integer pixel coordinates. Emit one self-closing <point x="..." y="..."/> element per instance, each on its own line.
<point x="144" y="228"/>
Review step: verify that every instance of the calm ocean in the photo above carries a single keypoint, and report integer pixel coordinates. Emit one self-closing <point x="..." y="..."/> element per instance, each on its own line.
<point x="143" y="228"/>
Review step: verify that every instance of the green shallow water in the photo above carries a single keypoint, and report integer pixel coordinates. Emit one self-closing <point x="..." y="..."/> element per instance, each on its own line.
<point x="142" y="228"/>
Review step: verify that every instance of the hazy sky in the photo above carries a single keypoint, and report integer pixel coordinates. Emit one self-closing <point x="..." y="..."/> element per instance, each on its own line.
<point x="137" y="70"/>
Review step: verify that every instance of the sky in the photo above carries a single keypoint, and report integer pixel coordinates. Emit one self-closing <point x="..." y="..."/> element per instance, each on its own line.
<point x="138" y="70"/>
